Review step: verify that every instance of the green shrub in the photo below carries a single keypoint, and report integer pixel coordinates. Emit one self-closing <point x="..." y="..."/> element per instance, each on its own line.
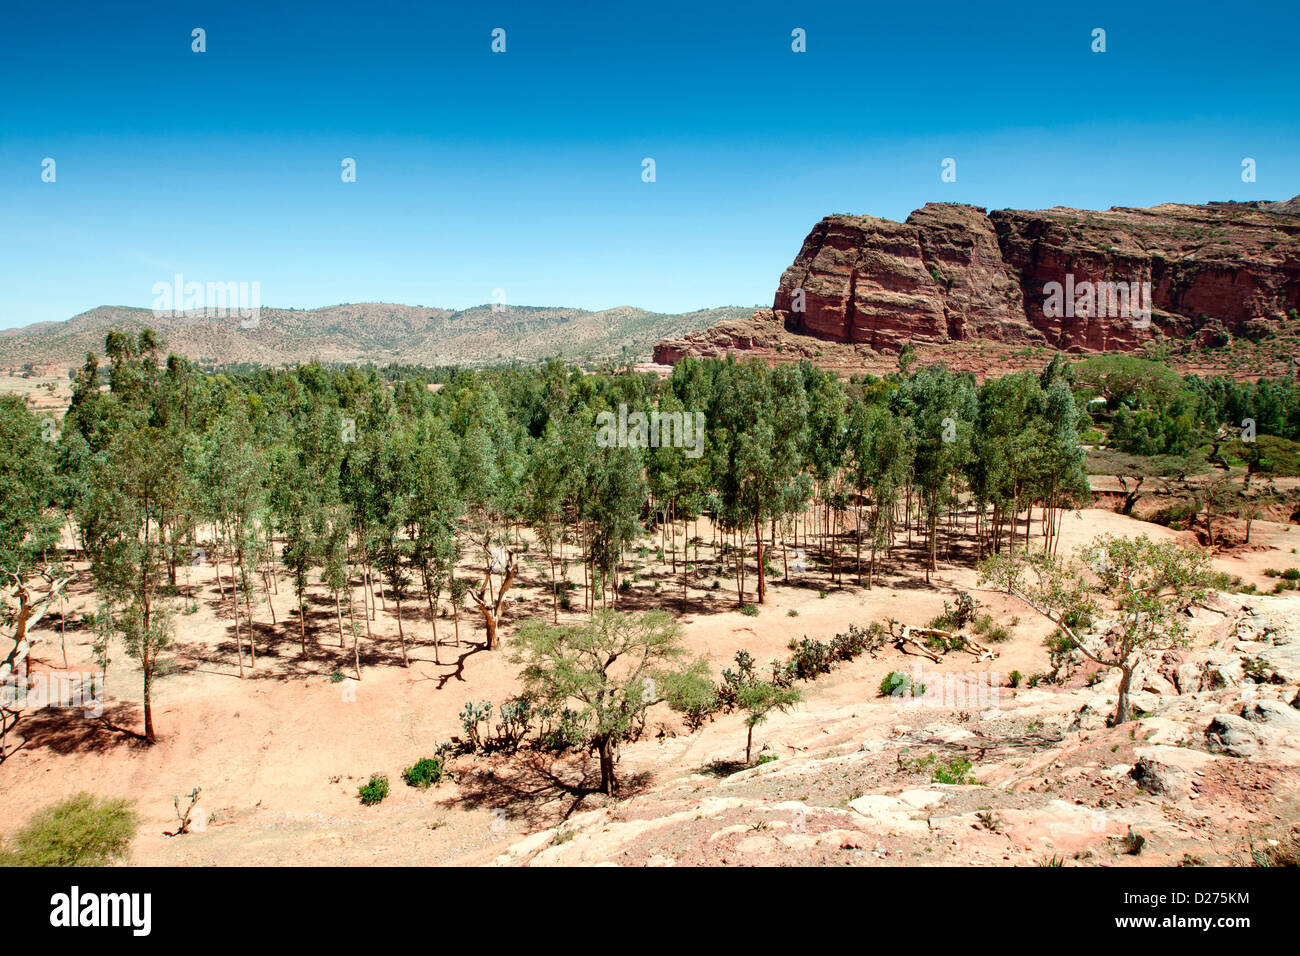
<point x="749" y="610"/>
<point x="424" y="773"/>
<point x="991" y="630"/>
<point x="374" y="790"/>
<point x="810" y="658"/>
<point x="83" y="830"/>
<point x="955" y="769"/>
<point x="1015" y="677"/>
<point x="896" y="683"/>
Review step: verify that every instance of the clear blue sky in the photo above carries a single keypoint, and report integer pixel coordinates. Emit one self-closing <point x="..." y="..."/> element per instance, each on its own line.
<point x="522" y="170"/>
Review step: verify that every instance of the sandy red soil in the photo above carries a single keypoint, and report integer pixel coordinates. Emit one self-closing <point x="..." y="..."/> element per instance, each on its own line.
<point x="279" y="754"/>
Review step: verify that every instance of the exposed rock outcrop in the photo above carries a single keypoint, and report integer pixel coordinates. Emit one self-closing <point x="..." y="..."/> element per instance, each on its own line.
<point x="1067" y="279"/>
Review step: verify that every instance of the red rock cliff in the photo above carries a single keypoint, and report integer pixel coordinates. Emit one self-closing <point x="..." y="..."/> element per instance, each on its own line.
<point x="954" y="273"/>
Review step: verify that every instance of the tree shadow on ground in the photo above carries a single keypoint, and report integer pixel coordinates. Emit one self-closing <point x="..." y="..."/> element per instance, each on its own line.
<point x="541" y="789"/>
<point x="68" y="730"/>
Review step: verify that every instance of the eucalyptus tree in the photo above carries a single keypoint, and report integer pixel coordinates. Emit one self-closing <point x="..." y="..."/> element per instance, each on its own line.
<point x="231" y="470"/>
<point x="761" y="418"/>
<point x="1063" y="483"/>
<point x="825" y="445"/>
<point x="28" y="529"/>
<point x="880" y="458"/>
<point x="490" y="471"/>
<point x="618" y="493"/>
<point x="433" y="512"/>
<point x="133" y="489"/>
<point x="548" y="483"/>
<point x="942" y="408"/>
<point x="395" y="481"/>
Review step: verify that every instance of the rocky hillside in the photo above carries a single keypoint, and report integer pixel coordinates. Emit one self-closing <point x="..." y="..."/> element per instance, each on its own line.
<point x="1204" y="774"/>
<point x="954" y="274"/>
<point x="367" y="332"/>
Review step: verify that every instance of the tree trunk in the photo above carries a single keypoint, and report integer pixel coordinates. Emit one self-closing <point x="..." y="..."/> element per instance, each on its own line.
<point x="352" y="622"/>
<point x="147" y="667"/>
<point x="608" y="784"/>
<point x="555" y="591"/>
<point x="338" y="613"/>
<point x="401" y="635"/>
<point x="1122" y="706"/>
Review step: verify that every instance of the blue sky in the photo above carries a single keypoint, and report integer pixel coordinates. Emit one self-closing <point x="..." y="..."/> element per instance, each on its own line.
<point x="522" y="170"/>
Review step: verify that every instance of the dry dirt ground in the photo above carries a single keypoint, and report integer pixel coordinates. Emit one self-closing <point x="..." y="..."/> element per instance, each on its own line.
<point x="279" y="754"/>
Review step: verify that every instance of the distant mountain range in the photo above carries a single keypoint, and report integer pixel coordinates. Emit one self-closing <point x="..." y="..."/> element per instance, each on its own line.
<point x="369" y="332"/>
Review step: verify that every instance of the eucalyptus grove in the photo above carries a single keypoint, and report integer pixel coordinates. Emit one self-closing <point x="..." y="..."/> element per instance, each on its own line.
<point x="406" y="490"/>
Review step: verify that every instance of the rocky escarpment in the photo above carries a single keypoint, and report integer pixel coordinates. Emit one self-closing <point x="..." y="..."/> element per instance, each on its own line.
<point x="1076" y="280"/>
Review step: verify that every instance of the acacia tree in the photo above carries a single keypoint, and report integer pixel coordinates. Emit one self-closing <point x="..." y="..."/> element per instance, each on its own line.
<point x="610" y="669"/>
<point x="1116" y="601"/>
<point x="758" y="699"/>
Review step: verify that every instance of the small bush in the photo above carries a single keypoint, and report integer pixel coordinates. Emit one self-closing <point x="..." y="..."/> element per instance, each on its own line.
<point x="792" y="613"/>
<point x="1132" y="843"/>
<point x="374" y="790"/>
<point x="1284" y="852"/>
<point x="810" y="659"/>
<point x="424" y="773"/>
<point x="896" y="683"/>
<point x="749" y="610"/>
<point x="955" y="769"/>
<point x="83" y="830"/>
<point x="1014" y="678"/>
<point x="991" y="630"/>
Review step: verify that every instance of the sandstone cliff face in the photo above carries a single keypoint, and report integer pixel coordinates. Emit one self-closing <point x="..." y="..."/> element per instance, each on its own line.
<point x="954" y="273"/>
